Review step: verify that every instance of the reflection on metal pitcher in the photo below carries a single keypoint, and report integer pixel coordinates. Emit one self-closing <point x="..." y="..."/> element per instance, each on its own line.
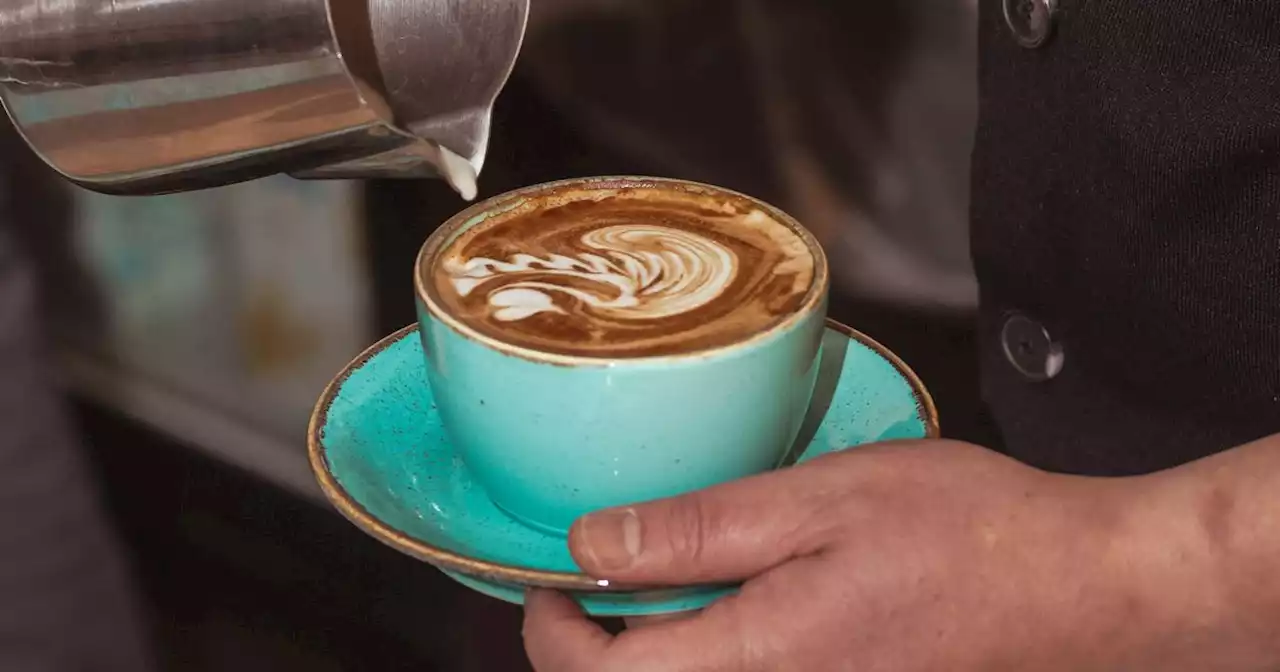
<point x="152" y="96"/>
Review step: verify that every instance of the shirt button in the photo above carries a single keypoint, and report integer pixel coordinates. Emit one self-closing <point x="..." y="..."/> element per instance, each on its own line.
<point x="1031" y="21"/>
<point x="1029" y="348"/>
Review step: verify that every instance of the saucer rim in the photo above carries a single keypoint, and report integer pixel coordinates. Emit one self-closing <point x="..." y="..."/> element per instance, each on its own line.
<point x="354" y="512"/>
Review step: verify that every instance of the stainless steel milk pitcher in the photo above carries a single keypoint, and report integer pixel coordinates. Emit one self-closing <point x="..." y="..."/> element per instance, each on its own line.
<point x="154" y="96"/>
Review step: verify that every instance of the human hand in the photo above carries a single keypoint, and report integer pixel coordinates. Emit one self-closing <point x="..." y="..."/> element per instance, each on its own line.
<point x="909" y="556"/>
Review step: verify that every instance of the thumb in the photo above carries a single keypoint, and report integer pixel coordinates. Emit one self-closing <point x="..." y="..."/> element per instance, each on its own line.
<point x="726" y="533"/>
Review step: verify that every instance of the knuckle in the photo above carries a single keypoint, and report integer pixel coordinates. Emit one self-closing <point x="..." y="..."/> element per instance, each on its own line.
<point x="689" y="524"/>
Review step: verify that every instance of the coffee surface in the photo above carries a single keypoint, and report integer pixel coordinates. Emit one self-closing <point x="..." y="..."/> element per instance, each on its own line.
<point x="625" y="272"/>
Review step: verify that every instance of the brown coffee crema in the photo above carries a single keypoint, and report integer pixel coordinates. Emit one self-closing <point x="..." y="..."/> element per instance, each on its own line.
<point x="630" y="271"/>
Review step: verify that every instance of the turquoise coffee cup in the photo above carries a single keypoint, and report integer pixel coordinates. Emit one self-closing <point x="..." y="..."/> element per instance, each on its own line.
<point x="551" y="437"/>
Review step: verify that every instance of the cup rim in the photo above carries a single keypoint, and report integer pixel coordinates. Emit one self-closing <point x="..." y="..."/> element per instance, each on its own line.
<point x="426" y="294"/>
<point x="446" y="560"/>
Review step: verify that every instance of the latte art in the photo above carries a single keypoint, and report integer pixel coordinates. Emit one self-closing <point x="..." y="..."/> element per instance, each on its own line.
<point x="624" y="269"/>
<point x="639" y="272"/>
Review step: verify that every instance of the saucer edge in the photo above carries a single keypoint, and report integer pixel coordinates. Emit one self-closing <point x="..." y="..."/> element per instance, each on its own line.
<point x="491" y="571"/>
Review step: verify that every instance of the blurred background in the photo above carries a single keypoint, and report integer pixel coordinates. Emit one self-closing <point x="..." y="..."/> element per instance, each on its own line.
<point x="190" y="335"/>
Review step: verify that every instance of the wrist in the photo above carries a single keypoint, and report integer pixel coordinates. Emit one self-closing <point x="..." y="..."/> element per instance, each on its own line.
<point x="1195" y="576"/>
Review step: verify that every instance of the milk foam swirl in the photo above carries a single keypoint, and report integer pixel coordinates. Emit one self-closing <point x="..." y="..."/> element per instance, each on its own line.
<point x="640" y="272"/>
<point x="620" y="268"/>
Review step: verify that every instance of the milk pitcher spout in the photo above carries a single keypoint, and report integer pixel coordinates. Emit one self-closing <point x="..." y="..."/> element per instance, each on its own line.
<point x="157" y="96"/>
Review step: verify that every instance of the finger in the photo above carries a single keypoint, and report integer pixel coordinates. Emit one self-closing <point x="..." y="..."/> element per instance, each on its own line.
<point x="717" y="639"/>
<point x="726" y="533"/>
<point x="634" y="622"/>
<point x="557" y="635"/>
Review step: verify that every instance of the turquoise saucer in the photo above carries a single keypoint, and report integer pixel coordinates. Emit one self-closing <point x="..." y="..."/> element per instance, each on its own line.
<point x="381" y="457"/>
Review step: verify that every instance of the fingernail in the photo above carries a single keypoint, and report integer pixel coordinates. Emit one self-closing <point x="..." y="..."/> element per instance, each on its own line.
<point x="612" y="538"/>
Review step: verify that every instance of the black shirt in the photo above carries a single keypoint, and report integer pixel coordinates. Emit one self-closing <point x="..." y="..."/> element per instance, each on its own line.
<point x="1126" y="199"/>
